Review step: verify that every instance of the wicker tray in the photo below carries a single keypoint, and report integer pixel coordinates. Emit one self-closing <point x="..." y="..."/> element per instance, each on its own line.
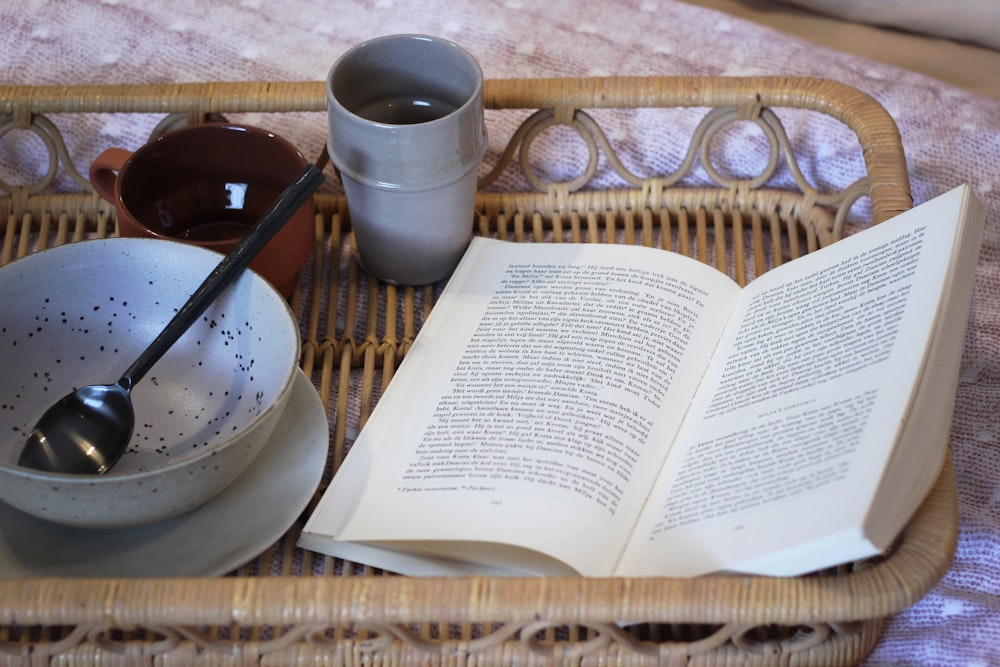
<point x="291" y="607"/>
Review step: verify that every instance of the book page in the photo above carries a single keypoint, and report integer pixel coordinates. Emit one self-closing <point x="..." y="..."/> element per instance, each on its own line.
<point x="535" y="407"/>
<point x="930" y="420"/>
<point x="787" y="439"/>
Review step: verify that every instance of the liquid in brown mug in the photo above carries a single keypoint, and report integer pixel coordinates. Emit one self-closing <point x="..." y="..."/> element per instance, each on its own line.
<point x="222" y="230"/>
<point x="189" y="214"/>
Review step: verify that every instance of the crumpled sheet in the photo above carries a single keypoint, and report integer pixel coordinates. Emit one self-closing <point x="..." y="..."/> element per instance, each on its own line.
<point x="950" y="136"/>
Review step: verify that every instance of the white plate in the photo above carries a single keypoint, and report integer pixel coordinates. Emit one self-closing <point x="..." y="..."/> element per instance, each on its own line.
<point x="229" y="530"/>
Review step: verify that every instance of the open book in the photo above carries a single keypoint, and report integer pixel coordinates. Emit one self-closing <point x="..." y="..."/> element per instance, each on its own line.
<point x="615" y="410"/>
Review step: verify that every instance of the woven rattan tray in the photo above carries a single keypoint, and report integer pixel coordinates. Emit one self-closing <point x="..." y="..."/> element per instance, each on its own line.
<point x="294" y="607"/>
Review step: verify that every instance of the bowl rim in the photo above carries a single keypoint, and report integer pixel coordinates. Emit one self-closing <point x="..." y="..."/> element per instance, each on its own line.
<point x="110" y="477"/>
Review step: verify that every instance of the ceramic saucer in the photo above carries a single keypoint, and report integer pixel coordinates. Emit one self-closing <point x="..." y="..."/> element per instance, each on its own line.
<point x="229" y="530"/>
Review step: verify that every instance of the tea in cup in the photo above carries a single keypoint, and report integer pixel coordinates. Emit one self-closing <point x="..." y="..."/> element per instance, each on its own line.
<point x="207" y="185"/>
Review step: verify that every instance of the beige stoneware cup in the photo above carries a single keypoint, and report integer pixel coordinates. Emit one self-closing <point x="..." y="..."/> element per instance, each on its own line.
<point x="407" y="136"/>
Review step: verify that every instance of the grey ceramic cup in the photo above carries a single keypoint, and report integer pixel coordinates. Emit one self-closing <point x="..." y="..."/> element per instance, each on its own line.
<point x="407" y="136"/>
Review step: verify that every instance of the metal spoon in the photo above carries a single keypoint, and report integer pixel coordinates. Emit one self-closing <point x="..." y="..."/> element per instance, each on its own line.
<point x="88" y="430"/>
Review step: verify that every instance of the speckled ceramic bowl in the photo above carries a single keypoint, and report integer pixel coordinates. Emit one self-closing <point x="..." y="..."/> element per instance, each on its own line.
<point x="80" y="314"/>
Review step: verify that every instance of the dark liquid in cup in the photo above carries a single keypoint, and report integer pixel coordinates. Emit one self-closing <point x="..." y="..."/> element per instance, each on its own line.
<point x="183" y="221"/>
<point x="221" y="230"/>
<point x="406" y="110"/>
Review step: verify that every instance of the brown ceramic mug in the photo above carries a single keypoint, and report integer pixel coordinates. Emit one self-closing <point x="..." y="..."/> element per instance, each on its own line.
<point x="207" y="184"/>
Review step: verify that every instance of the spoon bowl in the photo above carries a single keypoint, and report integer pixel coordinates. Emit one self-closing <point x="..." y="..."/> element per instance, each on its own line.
<point x="91" y="414"/>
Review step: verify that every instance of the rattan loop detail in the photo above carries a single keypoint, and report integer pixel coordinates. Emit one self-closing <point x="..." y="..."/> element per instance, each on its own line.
<point x="718" y="119"/>
<point x="545" y="649"/>
<point x="542" y="122"/>
<point x="165" y="640"/>
<point x="375" y="638"/>
<point x="802" y="638"/>
<point x="72" y="639"/>
<point x="851" y="194"/>
<point x="50" y="146"/>
<point x="55" y="146"/>
<point x="494" y="639"/>
<point x="699" y="150"/>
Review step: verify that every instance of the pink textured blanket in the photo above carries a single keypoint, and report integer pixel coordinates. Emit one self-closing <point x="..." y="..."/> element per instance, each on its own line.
<point x="950" y="137"/>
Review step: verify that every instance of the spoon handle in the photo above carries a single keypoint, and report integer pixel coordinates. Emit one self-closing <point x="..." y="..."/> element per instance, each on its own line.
<point x="226" y="272"/>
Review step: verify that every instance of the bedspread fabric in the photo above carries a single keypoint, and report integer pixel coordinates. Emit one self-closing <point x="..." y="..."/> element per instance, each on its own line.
<point x="950" y="136"/>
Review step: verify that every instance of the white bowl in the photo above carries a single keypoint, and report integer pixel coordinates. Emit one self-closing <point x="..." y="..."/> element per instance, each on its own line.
<point x="80" y="314"/>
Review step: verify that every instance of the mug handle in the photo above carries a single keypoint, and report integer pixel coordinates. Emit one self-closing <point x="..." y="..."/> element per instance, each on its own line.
<point x="104" y="171"/>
